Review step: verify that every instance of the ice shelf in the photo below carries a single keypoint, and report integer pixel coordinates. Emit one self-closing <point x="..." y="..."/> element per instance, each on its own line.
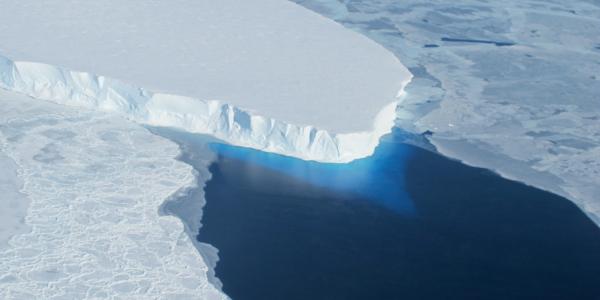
<point x="287" y="80"/>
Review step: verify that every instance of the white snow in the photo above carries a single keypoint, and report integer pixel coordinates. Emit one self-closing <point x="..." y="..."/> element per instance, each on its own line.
<point x="95" y="183"/>
<point x="271" y="58"/>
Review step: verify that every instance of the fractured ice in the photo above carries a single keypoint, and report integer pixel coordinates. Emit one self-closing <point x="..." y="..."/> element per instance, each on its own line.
<point x="288" y="81"/>
<point x="94" y="183"/>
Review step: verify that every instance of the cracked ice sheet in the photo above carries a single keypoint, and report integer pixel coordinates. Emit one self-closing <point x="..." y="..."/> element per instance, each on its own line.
<point x="530" y="111"/>
<point x="95" y="184"/>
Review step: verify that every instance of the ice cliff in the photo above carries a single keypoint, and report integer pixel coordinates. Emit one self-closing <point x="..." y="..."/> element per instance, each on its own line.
<point x="224" y="121"/>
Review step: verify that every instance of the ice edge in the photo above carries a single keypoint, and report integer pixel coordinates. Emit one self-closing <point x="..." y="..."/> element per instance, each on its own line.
<point x="226" y="122"/>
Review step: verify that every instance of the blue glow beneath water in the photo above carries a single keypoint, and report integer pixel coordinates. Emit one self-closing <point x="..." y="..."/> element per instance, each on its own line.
<point x="379" y="178"/>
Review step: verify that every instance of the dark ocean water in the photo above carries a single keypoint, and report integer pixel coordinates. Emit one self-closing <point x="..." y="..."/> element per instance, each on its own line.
<point x="403" y="224"/>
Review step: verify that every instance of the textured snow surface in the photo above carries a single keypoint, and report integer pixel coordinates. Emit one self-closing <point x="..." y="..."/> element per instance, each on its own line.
<point x="13" y="204"/>
<point x="95" y="184"/>
<point x="529" y="108"/>
<point x="271" y="57"/>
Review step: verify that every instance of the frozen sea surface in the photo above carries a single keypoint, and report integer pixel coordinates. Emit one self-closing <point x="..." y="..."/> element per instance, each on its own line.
<point x="14" y="204"/>
<point x="94" y="185"/>
<point x="512" y="86"/>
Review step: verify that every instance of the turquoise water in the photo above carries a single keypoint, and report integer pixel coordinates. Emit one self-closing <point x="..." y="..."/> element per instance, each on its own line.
<point x="377" y="179"/>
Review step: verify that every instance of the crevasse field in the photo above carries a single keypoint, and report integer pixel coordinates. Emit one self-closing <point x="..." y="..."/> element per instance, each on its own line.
<point x="512" y="86"/>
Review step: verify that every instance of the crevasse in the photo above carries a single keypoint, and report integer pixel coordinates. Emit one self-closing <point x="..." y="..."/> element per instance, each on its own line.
<point x="224" y="121"/>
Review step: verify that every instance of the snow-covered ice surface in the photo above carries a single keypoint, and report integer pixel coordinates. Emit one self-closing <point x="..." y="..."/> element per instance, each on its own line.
<point x="271" y="58"/>
<point x="188" y="206"/>
<point x="13" y="203"/>
<point x="512" y="86"/>
<point x="95" y="183"/>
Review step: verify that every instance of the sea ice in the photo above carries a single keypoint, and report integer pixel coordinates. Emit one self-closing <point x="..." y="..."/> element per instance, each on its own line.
<point x="512" y="86"/>
<point x="14" y="204"/>
<point x="95" y="183"/>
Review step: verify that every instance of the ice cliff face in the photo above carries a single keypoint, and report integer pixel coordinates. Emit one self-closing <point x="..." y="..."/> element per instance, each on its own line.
<point x="213" y="117"/>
